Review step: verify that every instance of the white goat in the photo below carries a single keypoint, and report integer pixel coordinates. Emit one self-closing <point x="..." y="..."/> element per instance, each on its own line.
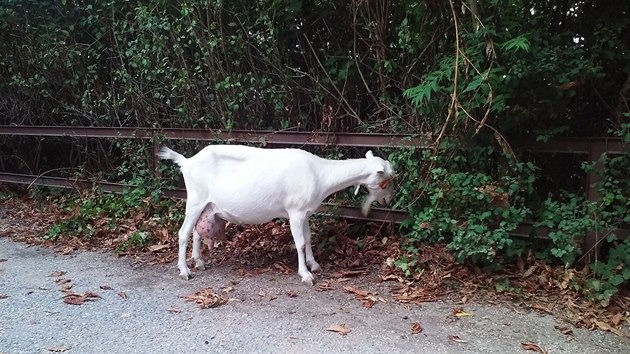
<point x="247" y="185"/>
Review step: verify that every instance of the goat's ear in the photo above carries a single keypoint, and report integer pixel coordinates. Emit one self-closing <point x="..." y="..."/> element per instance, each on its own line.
<point x="369" y="154"/>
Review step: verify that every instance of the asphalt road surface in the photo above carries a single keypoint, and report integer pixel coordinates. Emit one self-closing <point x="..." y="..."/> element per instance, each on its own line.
<point x="141" y="310"/>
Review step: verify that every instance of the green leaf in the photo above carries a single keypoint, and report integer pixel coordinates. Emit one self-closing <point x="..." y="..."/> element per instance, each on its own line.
<point x="616" y="280"/>
<point x="473" y="85"/>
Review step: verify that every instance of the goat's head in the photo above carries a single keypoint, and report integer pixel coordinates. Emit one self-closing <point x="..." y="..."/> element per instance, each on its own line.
<point x="379" y="183"/>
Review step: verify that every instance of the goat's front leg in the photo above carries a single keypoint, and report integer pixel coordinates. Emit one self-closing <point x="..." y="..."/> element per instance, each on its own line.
<point x="297" y="222"/>
<point x="310" y="259"/>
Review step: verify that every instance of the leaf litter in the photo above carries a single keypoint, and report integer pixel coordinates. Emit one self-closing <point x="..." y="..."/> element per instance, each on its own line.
<point x="258" y="249"/>
<point x="71" y="297"/>
<point x="207" y="298"/>
<point x="534" y="347"/>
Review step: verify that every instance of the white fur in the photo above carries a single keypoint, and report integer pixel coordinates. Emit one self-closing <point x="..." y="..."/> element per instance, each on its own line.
<point x="250" y="185"/>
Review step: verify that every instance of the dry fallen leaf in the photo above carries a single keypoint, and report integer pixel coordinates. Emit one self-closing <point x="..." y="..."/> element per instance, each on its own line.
<point x="368" y="304"/>
<point x="341" y="329"/>
<point x="206" y="298"/>
<point x="58" y="349"/>
<point x="122" y="294"/>
<point x="76" y="299"/>
<point x="459" y="312"/>
<point x="105" y="287"/>
<point x="292" y="293"/>
<point x="606" y="327"/>
<point x="529" y="271"/>
<point x="456" y="339"/>
<point x="416" y="328"/>
<point x="541" y="308"/>
<point x="57" y="274"/>
<point x="90" y="294"/>
<point x="173" y="310"/>
<point x="358" y="293"/>
<point x="534" y="347"/>
<point x="79" y="298"/>
<point x="616" y="319"/>
<point x="326" y="285"/>
<point x="564" y="330"/>
<point x="157" y="248"/>
<point x="66" y="250"/>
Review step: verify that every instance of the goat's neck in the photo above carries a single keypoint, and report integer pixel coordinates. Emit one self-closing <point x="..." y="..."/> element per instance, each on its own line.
<point x="339" y="174"/>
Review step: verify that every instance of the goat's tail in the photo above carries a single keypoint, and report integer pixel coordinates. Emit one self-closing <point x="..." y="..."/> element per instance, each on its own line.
<point x="168" y="154"/>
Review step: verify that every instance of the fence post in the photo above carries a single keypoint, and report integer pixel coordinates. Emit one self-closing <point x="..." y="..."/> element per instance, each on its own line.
<point x="155" y="149"/>
<point x="596" y="148"/>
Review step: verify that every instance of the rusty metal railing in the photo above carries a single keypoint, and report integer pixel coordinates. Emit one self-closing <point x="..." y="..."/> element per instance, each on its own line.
<point x="593" y="148"/>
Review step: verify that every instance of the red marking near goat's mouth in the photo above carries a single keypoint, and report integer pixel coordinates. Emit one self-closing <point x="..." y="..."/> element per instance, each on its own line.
<point x="384" y="183"/>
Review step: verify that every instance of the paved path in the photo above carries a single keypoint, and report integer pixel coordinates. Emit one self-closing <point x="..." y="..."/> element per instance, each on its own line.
<point x="35" y="319"/>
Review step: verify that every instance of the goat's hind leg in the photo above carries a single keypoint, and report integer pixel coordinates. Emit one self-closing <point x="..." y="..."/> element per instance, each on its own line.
<point x="208" y="227"/>
<point x="204" y="228"/>
<point x="196" y="252"/>
<point x="193" y="210"/>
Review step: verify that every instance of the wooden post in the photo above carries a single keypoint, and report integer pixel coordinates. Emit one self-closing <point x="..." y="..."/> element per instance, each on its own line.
<point x="596" y="148"/>
<point x="155" y="149"/>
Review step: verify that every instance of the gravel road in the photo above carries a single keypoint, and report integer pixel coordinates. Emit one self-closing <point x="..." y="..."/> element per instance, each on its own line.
<point x="144" y="312"/>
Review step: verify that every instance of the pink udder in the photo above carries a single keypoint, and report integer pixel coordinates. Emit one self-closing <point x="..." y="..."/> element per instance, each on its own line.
<point x="210" y="227"/>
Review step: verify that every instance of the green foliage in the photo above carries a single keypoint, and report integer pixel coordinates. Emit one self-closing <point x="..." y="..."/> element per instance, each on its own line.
<point x="473" y="210"/>
<point x="138" y="239"/>
<point x="504" y="286"/>
<point x="614" y="184"/>
<point x="613" y="271"/>
<point x="97" y="211"/>
<point x="568" y="220"/>
<point x="271" y="64"/>
<point x="83" y="213"/>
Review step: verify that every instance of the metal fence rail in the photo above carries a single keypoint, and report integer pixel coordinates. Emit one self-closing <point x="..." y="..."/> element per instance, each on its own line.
<point x="593" y="148"/>
<point x="349" y="212"/>
<point x="235" y="136"/>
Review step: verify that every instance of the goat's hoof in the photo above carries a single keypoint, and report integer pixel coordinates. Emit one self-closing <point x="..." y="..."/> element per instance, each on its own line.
<point x="199" y="264"/>
<point x="308" y="279"/>
<point x="185" y="273"/>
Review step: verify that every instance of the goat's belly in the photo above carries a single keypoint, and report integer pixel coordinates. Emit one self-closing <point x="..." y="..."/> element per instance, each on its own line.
<point x="249" y="219"/>
<point x="248" y="204"/>
<point x="254" y="215"/>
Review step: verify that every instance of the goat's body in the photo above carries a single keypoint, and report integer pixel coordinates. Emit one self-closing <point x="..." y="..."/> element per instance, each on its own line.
<point x="247" y="185"/>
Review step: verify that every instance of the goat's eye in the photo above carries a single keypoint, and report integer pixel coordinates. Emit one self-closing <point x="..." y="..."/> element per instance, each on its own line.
<point x="380" y="172"/>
